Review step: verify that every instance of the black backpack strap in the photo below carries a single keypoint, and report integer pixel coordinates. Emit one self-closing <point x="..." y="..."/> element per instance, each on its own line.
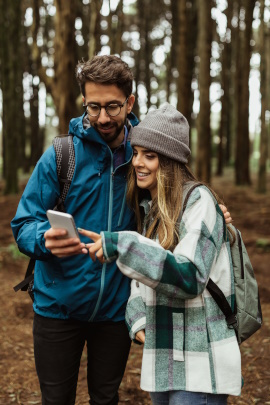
<point x="223" y="304"/>
<point x="29" y="276"/>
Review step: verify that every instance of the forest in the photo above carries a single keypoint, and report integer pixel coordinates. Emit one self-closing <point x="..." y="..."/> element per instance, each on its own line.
<point x="204" y="57"/>
<point x="211" y="60"/>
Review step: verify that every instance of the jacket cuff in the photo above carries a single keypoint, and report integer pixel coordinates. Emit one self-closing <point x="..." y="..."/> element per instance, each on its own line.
<point x="136" y="327"/>
<point x="109" y="245"/>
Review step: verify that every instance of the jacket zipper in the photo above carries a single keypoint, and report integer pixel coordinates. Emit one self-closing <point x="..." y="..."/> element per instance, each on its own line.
<point x="124" y="198"/>
<point x="103" y="271"/>
<point x="123" y="207"/>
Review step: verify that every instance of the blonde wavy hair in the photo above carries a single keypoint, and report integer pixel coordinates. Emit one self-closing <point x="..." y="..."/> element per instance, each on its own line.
<point x="162" y="220"/>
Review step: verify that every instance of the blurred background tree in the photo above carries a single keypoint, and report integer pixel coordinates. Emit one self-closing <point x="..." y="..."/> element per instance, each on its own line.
<point x="211" y="59"/>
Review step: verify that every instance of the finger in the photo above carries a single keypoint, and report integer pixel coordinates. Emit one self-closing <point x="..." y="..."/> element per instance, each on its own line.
<point x="91" y="235"/>
<point x="63" y="252"/>
<point x="228" y="220"/>
<point x="53" y="233"/>
<point x="223" y="208"/>
<point x="62" y="243"/>
<point x="92" y="251"/>
<point x="99" y="255"/>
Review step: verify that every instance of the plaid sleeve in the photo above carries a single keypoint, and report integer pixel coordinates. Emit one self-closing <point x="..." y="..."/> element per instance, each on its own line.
<point x="184" y="272"/>
<point x="135" y="311"/>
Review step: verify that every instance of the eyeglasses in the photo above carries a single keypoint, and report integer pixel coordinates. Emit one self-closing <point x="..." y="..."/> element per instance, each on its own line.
<point x="112" y="109"/>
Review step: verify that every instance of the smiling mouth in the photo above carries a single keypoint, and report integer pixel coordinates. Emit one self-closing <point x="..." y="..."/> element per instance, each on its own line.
<point x="106" y="129"/>
<point x="140" y="174"/>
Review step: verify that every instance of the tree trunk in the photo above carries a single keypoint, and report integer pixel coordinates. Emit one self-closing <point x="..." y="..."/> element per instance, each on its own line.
<point x="263" y="140"/>
<point x="184" y="85"/>
<point x="64" y="89"/>
<point x="119" y="28"/>
<point x="234" y="95"/>
<point x="62" y="86"/>
<point x="224" y="132"/>
<point x="94" y="38"/>
<point x="242" y="173"/>
<point x="203" y="158"/>
<point x="171" y="60"/>
<point x="11" y="84"/>
<point x="37" y="135"/>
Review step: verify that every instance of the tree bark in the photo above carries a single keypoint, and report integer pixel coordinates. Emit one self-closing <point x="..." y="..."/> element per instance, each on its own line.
<point x="11" y="84"/>
<point x="235" y="67"/>
<point x="261" y="187"/>
<point x="242" y="173"/>
<point x="203" y="157"/>
<point x="184" y="85"/>
<point x="64" y="89"/>
<point x="94" y="38"/>
<point x="224" y="131"/>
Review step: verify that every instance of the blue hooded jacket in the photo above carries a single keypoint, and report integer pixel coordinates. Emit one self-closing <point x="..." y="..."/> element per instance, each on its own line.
<point x="75" y="286"/>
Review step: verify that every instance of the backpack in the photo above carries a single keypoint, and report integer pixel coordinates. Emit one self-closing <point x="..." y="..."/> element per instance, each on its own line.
<point x="246" y="316"/>
<point x="65" y="163"/>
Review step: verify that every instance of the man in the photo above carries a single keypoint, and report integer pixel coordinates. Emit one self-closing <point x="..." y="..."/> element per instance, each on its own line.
<point x="78" y="300"/>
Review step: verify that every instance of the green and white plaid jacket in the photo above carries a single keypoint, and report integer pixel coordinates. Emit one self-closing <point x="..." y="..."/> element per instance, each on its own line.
<point x="188" y="345"/>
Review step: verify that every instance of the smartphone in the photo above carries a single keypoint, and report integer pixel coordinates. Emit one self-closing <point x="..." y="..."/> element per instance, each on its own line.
<point x="61" y="220"/>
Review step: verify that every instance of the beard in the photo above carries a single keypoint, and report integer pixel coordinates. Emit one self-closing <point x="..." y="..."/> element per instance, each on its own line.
<point x="110" y="131"/>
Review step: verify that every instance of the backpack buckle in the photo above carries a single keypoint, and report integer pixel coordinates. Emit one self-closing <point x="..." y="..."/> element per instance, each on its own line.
<point x="232" y="321"/>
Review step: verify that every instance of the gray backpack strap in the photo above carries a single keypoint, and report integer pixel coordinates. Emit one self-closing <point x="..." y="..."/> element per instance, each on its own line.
<point x="65" y="161"/>
<point x="188" y="188"/>
<point x="214" y="290"/>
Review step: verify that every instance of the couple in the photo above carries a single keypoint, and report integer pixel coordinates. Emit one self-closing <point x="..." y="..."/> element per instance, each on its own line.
<point x="189" y="353"/>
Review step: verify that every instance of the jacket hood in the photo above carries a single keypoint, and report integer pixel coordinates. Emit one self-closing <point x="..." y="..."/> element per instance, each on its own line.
<point x="76" y="127"/>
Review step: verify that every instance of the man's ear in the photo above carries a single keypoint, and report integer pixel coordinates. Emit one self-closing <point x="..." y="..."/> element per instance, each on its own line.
<point x="83" y="99"/>
<point x="131" y="101"/>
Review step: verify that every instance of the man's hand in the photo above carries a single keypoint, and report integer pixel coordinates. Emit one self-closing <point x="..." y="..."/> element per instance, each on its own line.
<point x="95" y="249"/>
<point x="227" y="215"/>
<point x="140" y="336"/>
<point x="61" y="247"/>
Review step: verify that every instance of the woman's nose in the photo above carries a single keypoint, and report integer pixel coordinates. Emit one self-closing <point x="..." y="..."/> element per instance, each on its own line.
<point x="137" y="161"/>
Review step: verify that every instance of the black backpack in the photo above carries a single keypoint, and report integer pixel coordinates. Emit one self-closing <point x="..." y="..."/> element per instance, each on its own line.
<point x="65" y="162"/>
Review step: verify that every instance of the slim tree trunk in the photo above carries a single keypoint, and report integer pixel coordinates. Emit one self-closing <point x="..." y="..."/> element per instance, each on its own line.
<point x="224" y="132"/>
<point x="263" y="140"/>
<point x="11" y="83"/>
<point x="187" y="17"/>
<point x="203" y="158"/>
<point x="94" y="38"/>
<point x="144" y="16"/>
<point x="234" y="95"/>
<point x="65" y="87"/>
<point x="171" y="60"/>
<point x="120" y="28"/>
<point x="62" y="86"/>
<point x="184" y="85"/>
<point x="242" y="172"/>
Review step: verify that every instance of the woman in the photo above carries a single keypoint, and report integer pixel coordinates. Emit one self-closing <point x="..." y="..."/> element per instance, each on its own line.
<point x="190" y="356"/>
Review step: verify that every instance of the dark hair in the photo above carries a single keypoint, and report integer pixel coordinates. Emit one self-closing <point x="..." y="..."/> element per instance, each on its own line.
<point x="105" y="69"/>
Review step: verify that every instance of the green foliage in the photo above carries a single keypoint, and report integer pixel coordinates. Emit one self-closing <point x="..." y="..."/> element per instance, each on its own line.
<point x="13" y="251"/>
<point x="263" y="244"/>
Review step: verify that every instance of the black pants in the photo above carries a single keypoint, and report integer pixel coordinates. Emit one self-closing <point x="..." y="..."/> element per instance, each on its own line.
<point x="58" y="346"/>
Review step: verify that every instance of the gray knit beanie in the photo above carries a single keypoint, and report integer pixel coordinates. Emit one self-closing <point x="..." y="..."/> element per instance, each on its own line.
<point x="164" y="131"/>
